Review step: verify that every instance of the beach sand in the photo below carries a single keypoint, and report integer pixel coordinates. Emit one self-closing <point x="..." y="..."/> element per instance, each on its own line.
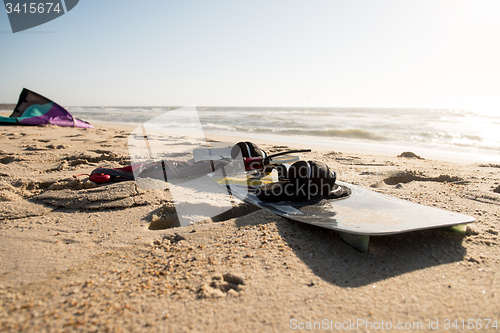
<point x="77" y="257"/>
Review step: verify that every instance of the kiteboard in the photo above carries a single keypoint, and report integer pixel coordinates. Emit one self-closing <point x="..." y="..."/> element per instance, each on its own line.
<point x="356" y="217"/>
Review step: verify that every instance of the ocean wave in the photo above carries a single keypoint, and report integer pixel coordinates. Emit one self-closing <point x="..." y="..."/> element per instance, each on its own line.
<point x="218" y="127"/>
<point x="472" y="137"/>
<point x="351" y="133"/>
<point x="458" y="130"/>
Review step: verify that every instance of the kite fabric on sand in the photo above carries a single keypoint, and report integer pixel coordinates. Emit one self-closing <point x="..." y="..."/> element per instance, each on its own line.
<point x="34" y="109"/>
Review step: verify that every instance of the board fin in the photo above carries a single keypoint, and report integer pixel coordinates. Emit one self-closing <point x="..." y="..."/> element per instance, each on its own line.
<point x="358" y="242"/>
<point x="459" y="228"/>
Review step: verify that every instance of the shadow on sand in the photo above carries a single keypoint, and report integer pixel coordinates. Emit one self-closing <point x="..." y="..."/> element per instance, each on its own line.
<point x="331" y="259"/>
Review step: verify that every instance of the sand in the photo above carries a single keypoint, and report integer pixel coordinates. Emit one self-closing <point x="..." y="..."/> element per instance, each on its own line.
<point x="78" y="257"/>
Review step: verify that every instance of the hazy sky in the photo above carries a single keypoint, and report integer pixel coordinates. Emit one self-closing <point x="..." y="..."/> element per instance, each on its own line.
<point x="369" y="53"/>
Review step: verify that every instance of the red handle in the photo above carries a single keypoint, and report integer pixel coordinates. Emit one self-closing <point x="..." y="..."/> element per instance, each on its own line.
<point x="252" y="163"/>
<point x="100" y="178"/>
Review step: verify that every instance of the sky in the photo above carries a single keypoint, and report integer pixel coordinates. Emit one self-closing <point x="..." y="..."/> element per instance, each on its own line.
<point x="314" y="53"/>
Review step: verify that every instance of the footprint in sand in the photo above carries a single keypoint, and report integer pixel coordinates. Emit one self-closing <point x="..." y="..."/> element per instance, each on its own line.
<point x="20" y="209"/>
<point x="9" y="158"/>
<point x="228" y="284"/>
<point x="409" y="176"/>
<point x="51" y="146"/>
<point x="120" y="195"/>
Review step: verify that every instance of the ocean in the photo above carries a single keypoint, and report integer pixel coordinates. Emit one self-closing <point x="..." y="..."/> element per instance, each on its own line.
<point x="434" y="133"/>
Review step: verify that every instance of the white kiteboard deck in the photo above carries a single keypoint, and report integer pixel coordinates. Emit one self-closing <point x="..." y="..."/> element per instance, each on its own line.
<point x="362" y="214"/>
<point x="357" y="217"/>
